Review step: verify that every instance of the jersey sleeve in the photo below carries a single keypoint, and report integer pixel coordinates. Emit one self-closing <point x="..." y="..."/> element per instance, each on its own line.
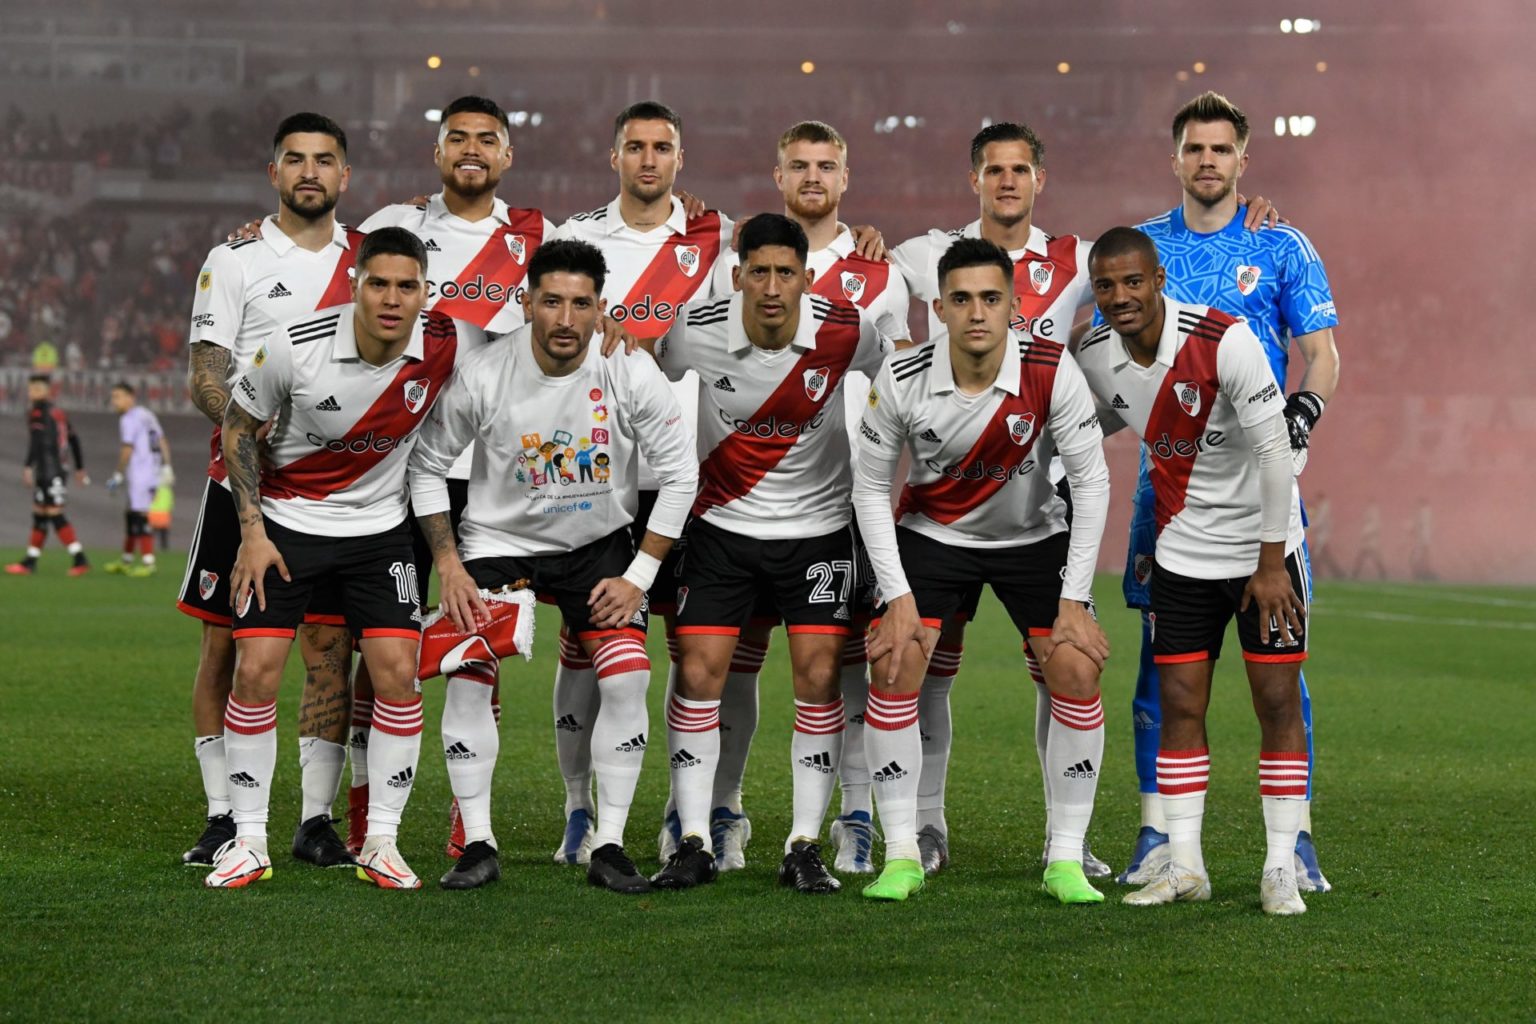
<point x="873" y="346"/>
<point x="881" y="437"/>
<point x="1074" y="422"/>
<point x="130" y="429"/>
<point x="449" y="429"/>
<point x="379" y="219"/>
<point x="1306" y="300"/>
<point x="720" y="285"/>
<point x="891" y="309"/>
<point x="1245" y="377"/>
<point x="666" y="445"/>
<point x="218" y="303"/>
<point x="261" y="387"/>
<point x="672" y="348"/>
<point x="912" y="258"/>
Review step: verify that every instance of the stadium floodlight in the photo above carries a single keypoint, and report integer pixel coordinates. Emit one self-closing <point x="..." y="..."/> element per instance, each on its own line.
<point x="434" y="115"/>
<point x="1296" y="125"/>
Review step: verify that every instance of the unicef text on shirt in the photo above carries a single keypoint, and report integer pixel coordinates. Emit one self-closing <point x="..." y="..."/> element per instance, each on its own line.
<point x="1166" y="447"/>
<point x="979" y="470"/>
<point x="356" y="445"/>
<point x="474" y="291"/>
<point x="642" y="310"/>
<point x="771" y="427"/>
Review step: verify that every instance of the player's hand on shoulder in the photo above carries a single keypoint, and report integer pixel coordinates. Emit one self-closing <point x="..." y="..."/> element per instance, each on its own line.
<point x="1278" y="603"/>
<point x="614" y="336"/>
<point x="418" y="201"/>
<point x="1076" y="625"/>
<point x="461" y="600"/>
<point x="1261" y="213"/>
<point x="614" y="601"/>
<point x="257" y="554"/>
<point x="692" y="204"/>
<point x="245" y="232"/>
<point x="868" y="242"/>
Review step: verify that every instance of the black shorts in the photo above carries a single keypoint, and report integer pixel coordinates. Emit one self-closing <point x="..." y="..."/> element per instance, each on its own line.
<point x="458" y="497"/>
<point x="947" y="579"/>
<point x="568" y="579"/>
<point x="215" y="543"/>
<point x="811" y="581"/>
<point x="51" y="492"/>
<point x="1189" y="618"/>
<point x="374" y="576"/>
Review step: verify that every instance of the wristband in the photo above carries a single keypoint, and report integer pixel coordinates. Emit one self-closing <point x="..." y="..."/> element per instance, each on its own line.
<point x="642" y="571"/>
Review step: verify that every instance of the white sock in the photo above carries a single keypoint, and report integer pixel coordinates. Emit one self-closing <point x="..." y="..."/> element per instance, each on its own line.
<point x="1306" y="816"/>
<point x="575" y="704"/>
<point x="1182" y="777"/>
<point x="693" y="744"/>
<point x="148" y="559"/>
<point x="1283" y="788"/>
<point x="618" y="734"/>
<point x="1074" y="756"/>
<point x="738" y="723"/>
<point x="1042" y="727"/>
<point x="394" y="749"/>
<point x="250" y="754"/>
<point x="210" y="761"/>
<point x="1152" y="812"/>
<point x="937" y="731"/>
<point x="471" y="742"/>
<point x="320" y="766"/>
<point x="895" y="752"/>
<point x="814" y="754"/>
<point x="853" y="772"/>
<point x="362" y="725"/>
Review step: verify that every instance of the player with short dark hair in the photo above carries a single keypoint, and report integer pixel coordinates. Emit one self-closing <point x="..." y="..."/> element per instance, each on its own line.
<point x="345" y="390"/>
<point x="546" y="406"/>
<point x="50" y="442"/>
<point x="1196" y="385"/>
<point x="982" y="413"/>
<point x="143" y="466"/>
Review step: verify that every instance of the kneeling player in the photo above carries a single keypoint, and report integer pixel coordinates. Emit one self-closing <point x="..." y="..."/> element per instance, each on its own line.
<point x="1195" y="385"/>
<point x="982" y="412"/>
<point x="537" y="403"/>
<point x="347" y="388"/>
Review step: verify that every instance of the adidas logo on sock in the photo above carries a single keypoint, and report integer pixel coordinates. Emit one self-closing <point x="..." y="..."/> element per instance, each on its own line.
<point x="279" y="292"/>
<point x="244" y="779"/>
<point x="360" y="739"/>
<point x="930" y="437"/>
<point x="568" y="723"/>
<point x="821" y="762"/>
<point x="633" y="745"/>
<point x="328" y="404"/>
<point x="203" y="741"/>
<point x="923" y="737"/>
<point x="1142" y="720"/>
<point x="432" y="245"/>
<point x="402" y="780"/>
<point x="1118" y="403"/>
<point x="857" y="719"/>
<point x="1082" y="770"/>
<point x="683" y="759"/>
<point x="459" y="752"/>
<point x="890" y="773"/>
<point x="724" y="384"/>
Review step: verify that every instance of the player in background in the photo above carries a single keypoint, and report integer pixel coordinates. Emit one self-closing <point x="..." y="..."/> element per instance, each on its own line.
<point x="50" y="442"/>
<point x="1197" y="387"/>
<point x="773" y="514"/>
<point x="1214" y="254"/>
<point x="248" y="287"/>
<point x="658" y="258"/>
<point x="143" y="465"/>
<point x="538" y="401"/>
<point x="347" y="389"/>
<point x="982" y="412"/>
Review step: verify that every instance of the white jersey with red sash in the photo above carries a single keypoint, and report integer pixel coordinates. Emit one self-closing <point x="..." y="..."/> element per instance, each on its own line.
<point x="773" y="450"/>
<point x="345" y="428"/>
<point x="248" y="288"/>
<point x="1209" y="381"/>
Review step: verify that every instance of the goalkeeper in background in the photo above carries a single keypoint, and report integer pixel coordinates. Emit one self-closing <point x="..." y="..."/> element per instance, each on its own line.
<point x="143" y="466"/>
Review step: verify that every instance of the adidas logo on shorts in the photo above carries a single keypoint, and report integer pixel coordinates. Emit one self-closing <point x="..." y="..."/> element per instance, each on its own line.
<point x="634" y="744"/>
<point x="683" y="759"/>
<point x="724" y="384"/>
<point x="821" y="762"/>
<point x="890" y="773"/>
<point x="1082" y="770"/>
<point x="279" y="292"/>
<point x="402" y="780"/>
<point x="459" y="752"/>
<point x="328" y="404"/>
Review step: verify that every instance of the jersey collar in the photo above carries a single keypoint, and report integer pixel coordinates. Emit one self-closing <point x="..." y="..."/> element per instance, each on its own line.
<point x="1167" y="342"/>
<point x="805" y="334"/>
<point x="1038" y="243"/>
<point x="941" y="379"/>
<point x="1177" y="225"/>
<point x="842" y="245"/>
<point x="344" y="349"/>
<point x="437" y="207"/>
<point x="676" y="222"/>
<point x="281" y="244"/>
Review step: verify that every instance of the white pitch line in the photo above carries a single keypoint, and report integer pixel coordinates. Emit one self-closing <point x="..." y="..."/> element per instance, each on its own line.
<point x="1428" y="620"/>
<point x="1433" y="594"/>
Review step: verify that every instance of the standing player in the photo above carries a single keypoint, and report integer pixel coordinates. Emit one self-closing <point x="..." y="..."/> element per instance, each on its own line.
<point x="1196" y="386"/>
<point x="773" y="514"/>
<point x="300" y="264"/>
<point x="982" y="414"/>
<point x="346" y="390"/>
<point x="143" y="465"/>
<point x="1276" y="281"/>
<point x="658" y="259"/>
<point x="542" y="394"/>
<point x="50" y="441"/>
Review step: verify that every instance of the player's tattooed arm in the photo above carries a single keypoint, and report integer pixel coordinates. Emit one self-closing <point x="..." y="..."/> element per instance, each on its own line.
<point x="207" y="379"/>
<point x="460" y="595"/>
<point x="438" y="529"/>
<point x="242" y="458"/>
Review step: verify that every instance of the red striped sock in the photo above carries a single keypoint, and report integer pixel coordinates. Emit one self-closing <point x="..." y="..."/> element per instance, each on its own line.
<point x="890" y="711"/>
<point x="820" y="719"/>
<point x="686" y="715"/>
<point x="945" y="662"/>
<point x="1183" y="772"/>
<point x="1077" y="714"/>
<point x="1283" y="773"/>
<point x="397" y="719"/>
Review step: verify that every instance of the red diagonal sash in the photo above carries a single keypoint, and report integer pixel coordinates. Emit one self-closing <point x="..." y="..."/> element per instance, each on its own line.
<point x="496" y="263"/>
<point x="663" y="279"/>
<point x="1174" y="433"/>
<point x="875" y="274"/>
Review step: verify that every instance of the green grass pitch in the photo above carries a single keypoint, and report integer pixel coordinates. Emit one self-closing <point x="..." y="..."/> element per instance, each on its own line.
<point x="1425" y="817"/>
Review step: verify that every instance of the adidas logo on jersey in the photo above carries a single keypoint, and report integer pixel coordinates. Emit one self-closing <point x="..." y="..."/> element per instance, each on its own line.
<point x="683" y="759"/>
<point x="724" y="384"/>
<point x="279" y="292"/>
<point x="890" y="773"/>
<point x="1119" y="403"/>
<point x="1082" y="770"/>
<point x="821" y="762"/>
<point x="402" y="779"/>
<point x="459" y="752"/>
<point x="930" y="437"/>
<point x="432" y="246"/>
<point x="568" y="723"/>
<point x="244" y="779"/>
<point x="634" y="744"/>
<point x="328" y="404"/>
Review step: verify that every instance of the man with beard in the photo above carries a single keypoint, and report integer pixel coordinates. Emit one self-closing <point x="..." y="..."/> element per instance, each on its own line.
<point x="245" y="290"/>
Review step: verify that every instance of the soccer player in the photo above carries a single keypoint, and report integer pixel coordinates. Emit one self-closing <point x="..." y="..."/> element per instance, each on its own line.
<point x="535" y="401"/>
<point x="658" y="259"/>
<point x="346" y="390"/>
<point x="773" y="514"/>
<point x="246" y="289"/>
<point x="982" y="413"/>
<point x="1195" y="384"/>
<point x="1213" y="255"/>
<point x="50" y="442"/>
<point x="143" y="465"/>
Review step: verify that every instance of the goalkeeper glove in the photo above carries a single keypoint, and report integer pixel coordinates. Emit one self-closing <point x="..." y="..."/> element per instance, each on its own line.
<point x="1302" y="411"/>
